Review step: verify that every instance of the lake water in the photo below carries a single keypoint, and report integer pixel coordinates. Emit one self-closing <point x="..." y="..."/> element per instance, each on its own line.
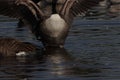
<point x="92" y="51"/>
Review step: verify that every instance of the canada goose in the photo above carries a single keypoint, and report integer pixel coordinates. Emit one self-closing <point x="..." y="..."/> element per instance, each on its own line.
<point x="14" y="47"/>
<point x="50" y="20"/>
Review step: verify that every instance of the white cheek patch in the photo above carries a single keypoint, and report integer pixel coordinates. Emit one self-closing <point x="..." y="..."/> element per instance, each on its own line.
<point x="21" y="53"/>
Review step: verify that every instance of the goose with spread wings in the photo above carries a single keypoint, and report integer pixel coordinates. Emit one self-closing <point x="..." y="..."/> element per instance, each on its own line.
<point x="49" y="20"/>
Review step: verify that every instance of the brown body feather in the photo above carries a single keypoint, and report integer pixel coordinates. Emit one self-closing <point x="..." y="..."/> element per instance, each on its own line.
<point x="10" y="46"/>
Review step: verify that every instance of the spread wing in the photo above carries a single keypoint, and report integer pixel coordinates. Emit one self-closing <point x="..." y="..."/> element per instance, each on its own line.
<point x="9" y="8"/>
<point x="25" y="9"/>
<point x="77" y="7"/>
<point x="14" y="8"/>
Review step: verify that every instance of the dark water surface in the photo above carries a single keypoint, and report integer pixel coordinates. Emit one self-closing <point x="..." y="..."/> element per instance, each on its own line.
<point x="92" y="51"/>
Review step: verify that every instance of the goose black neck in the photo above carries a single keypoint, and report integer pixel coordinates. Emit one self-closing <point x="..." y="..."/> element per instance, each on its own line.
<point x="36" y="1"/>
<point x="54" y="3"/>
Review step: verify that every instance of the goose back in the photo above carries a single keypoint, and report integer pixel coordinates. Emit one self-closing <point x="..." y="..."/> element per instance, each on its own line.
<point x="10" y="46"/>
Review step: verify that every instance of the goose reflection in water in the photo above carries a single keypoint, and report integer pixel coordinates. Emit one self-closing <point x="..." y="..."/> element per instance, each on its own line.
<point x="52" y="62"/>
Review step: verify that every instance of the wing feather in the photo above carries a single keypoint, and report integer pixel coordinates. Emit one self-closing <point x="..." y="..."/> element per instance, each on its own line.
<point x="14" y="8"/>
<point x="76" y="7"/>
<point x="9" y="8"/>
<point x="23" y="9"/>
